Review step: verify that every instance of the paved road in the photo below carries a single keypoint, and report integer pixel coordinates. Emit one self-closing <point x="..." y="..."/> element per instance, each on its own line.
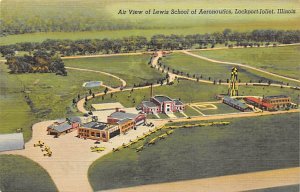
<point x="230" y="183"/>
<point x="241" y="65"/>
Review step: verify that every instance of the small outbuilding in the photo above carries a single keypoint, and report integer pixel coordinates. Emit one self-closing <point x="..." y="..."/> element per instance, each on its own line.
<point x="9" y="142"/>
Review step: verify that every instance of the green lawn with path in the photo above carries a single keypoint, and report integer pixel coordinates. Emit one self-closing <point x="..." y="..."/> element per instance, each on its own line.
<point x="246" y="145"/>
<point x="18" y="173"/>
<point x="216" y="71"/>
<point x="278" y="60"/>
<point x="50" y="94"/>
<point x="133" y="69"/>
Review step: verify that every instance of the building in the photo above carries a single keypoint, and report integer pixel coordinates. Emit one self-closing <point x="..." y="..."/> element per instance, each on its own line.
<point x="98" y="131"/>
<point x="162" y="104"/>
<point x="278" y="101"/>
<point x="63" y="126"/>
<point x="9" y="142"/>
<point x="235" y="103"/>
<point x="120" y="115"/>
<point x="256" y="102"/>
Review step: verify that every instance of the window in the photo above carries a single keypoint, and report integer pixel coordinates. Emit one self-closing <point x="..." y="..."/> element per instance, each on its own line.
<point x="97" y="134"/>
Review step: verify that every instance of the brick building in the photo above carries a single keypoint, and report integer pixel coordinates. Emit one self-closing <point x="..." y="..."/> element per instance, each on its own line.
<point x="162" y="104"/>
<point x="278" y="101"/>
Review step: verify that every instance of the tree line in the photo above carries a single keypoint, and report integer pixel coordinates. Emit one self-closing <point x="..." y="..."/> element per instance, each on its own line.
<point x="228" y="37"/>
<point x="40" y="62"/>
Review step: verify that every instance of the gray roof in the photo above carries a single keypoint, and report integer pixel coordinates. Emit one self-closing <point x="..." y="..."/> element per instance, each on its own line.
<point x="12" y="141"/>
<point x="75" y="119"/>
<point x="162" y="98"/>
<point x="121" y="115"/>
<point x="62" y="127"/>
<point x="235" y="102"/>
<point x="178" y="102"/>
<point x="276" y="97"/>
<point x="95" y="125"/>
<point x="149" y="104"/>
<point x="123" y="121"/>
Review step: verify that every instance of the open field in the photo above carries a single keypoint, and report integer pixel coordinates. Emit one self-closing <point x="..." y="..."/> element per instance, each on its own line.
<point x="133" y="69"/>
<point x="50" y="94"/>
<point x="221" y="109"/>
<point x="190" y="92"/>
<point x="246" y="145"/>
<point x="215" y="71"/>
<point x="279" y="60"/>
<point x="19" y="173"/>
<point x="289" y="188"/>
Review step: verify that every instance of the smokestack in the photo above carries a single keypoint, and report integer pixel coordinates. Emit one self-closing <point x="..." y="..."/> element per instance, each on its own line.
<point x="151" y="90"/>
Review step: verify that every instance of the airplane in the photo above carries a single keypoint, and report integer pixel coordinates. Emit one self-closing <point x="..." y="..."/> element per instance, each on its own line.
<point x="49" y="154"/>
<point x="169" y="132"/>
<point x="152" y="141"/>
<point x="163" y="136"/>
<point x="97" y="149"/>
<point x="140" y="148"/>
<point x="39" y="144"/>
<point x="116" y="149"/>
<point x="47" y="148"/>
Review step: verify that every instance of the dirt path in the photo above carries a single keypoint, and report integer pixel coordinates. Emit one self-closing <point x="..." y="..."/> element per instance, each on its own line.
<point x="241" y="65"/>
<point x="230" y="183"/>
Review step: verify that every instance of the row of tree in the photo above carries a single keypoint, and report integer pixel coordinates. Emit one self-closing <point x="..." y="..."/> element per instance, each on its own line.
<point x="39" y="62"/>
<point x="167" y="42"/>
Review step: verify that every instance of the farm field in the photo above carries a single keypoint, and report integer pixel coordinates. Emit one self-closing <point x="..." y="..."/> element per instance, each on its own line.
<point x="133" y="69"/>
<point x="190" y="92"/>
<point x="18" y="173"/>
<point x="215" y="71"/>
<point x="279" y="60"/>
<point x="51" y="96"/>
<point x="209" y="151"/>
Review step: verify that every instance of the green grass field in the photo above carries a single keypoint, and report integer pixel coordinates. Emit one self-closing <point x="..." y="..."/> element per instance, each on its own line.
<point x="246" y="145"/>
<point x="279" y="60"/>
<point x="18" y="173"/>
<point x="289" y="188"/>
<point x="222" y="108"/>
<point x="215" y="71"/>
<point x="51" y="96"/>
<point x="190" y="92"/>
<point x="133" y="69"/>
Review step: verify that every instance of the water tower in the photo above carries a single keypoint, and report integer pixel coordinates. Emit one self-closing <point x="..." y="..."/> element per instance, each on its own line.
<point x="233" y="84"/>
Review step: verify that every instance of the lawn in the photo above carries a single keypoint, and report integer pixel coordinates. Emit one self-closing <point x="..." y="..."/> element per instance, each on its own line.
<point x="222" y="108"/>
<point x="190" y="92"/>
<point x="50" y="94"/>
<point x="189" y="111"/>
<point x="19" y="173"/>
<point x="246" y="145"/>
<point x="215" y="71"/>
<point x="289" y="188"/>
<point x="279" y="60"/>
<point x="133" y="69"/>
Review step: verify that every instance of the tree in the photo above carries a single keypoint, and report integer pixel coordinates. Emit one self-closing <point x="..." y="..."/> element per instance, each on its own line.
<point x="105" y="90"/>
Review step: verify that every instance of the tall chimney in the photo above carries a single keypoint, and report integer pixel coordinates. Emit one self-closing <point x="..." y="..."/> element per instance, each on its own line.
<point x="151" y="90"/>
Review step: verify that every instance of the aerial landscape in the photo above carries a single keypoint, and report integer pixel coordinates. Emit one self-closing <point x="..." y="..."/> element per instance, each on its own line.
<point x="132" y="95"/>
